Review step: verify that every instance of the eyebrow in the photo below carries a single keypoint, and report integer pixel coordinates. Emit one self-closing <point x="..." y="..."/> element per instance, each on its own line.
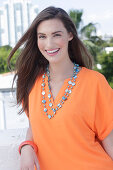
<point x="52" y="33"/>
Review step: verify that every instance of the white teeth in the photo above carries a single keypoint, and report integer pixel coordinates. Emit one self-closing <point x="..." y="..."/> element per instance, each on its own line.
<point x="53" y="51"/>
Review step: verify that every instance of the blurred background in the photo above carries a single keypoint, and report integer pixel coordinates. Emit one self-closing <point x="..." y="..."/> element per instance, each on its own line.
<point x="94" y="23"/>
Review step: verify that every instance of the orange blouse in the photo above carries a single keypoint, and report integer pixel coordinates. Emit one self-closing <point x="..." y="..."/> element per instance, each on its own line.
<point x="71" y="139"/>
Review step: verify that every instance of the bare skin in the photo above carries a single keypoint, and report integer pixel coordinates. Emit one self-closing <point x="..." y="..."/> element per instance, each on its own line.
<point x="57" y="83"/>
<point x="108" y="144"/>
<point x="28" y="152"/>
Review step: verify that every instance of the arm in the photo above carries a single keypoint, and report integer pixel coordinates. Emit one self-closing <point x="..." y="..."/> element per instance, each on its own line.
<point x="28" y="156"/>
<point x="29" y="135"/>
<point x="108" y="144"/>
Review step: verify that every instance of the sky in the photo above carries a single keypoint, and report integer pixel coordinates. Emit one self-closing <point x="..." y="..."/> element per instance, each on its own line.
<point x="96" y="11"/>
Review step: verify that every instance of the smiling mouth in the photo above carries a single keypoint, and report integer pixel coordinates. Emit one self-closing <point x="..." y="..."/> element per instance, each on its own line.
<point x="52" y="51"/>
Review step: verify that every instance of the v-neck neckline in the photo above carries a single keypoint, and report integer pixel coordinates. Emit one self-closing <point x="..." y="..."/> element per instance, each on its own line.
<point x="61" y="92"/>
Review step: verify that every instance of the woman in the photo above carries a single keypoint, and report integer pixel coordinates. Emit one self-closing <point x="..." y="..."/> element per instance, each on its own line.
<point x="69" y="106"/>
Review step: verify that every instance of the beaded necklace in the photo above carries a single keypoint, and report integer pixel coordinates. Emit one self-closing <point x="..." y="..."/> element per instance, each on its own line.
<point x="68" y="91"/>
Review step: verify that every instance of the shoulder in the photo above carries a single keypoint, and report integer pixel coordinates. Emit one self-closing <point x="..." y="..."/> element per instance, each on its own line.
<point x="96" y="81"/>
<point x="93" y="76"/>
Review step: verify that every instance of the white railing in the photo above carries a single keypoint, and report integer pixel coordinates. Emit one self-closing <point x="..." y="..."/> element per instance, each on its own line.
<point x="9" y="117"/>
<point x="12" y="132"/>
<point x="9" y="142"/>
<point x="2" y="112"/>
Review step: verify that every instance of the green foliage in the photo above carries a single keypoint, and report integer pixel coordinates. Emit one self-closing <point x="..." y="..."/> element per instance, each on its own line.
<point x="88" y="30"/>
<point x="87" y="33"/>
<point x="4" y="53"/>
<point x="111" y="42"/>
<point x="95" y="45"/>
<point x="106" y="62"/>
<point x="92" y="48"/>
<point x="76" y="16"/>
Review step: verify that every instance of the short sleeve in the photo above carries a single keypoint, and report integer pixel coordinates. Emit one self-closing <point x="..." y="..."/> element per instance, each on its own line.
<point x="103" y="108"/>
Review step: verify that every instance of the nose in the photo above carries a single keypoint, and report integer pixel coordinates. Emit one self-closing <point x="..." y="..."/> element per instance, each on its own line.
<point x="49" y="43"/>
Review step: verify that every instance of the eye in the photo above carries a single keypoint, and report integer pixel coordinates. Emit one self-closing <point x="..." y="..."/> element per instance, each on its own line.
<point x="41" y="36"/>
<point x="57" y="35"/>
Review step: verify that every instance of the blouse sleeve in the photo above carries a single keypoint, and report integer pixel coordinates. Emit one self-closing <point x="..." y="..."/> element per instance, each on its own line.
<point x="103" y="109"/>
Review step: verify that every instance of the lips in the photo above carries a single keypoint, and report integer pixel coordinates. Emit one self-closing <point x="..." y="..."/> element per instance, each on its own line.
<point x="52" y="51"/>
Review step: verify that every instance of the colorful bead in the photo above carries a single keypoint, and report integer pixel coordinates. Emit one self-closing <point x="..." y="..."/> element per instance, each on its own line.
<point x="43" y="92"/>
<point x="64" y="98"/>
<point x="43" y="84"/>
<point x="43" y="101"/>
<point x="68" y="90"/>
<point x="49" y="95"/>
<point x="49" y="116"/>
<point x="45" y="110"/>
<point x="54" y="110"/>
<point x="43" y="76"/>
<point x="59" y="105"/>
<point x="69" y="82"/>
<point x="74" y="76"/>
<point x="50" y="104"/>
<point x="73" y="84"/>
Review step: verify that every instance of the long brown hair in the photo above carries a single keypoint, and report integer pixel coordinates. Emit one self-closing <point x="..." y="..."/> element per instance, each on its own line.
<point x="31" y="63"/>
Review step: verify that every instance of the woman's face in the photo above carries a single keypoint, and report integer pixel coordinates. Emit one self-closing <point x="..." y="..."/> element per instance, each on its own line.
<point x="53" y="39"/>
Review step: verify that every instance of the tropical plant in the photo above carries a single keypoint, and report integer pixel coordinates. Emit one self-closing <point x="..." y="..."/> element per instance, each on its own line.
<point x="4" y="52"/>
<point x="76" y="16"/>
<point x="87" y="33"/>
<point x="106" y="62"/>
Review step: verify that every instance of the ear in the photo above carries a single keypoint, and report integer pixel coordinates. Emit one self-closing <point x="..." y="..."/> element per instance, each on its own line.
<point x="70" y="36"/>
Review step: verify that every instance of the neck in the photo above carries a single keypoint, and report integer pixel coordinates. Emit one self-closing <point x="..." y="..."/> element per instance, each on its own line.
<point x="60" y="72"/>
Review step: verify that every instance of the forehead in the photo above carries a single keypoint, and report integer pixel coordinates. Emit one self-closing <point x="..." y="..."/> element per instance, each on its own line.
<point x="51" y="25"/>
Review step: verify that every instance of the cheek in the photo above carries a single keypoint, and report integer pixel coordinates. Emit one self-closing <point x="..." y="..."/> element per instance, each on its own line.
<point x="40" y="45"/>
<point x="63" y="42"/>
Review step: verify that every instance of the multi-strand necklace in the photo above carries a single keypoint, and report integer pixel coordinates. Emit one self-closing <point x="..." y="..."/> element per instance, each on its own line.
<point x="68" y="91"/>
